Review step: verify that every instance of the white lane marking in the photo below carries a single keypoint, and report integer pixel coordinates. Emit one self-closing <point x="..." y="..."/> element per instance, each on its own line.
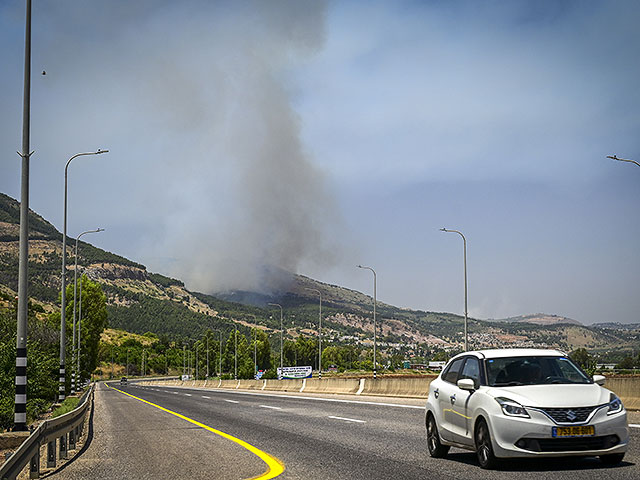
<point x="175" y="393"/>
<point x="188" y="395"/>
<point x="336" y="400"/>
<point x="231" y="401"/>
<point x="347" y="419"/>
<point x="634" y="425"/>
<point x="204" y="396"/>
<point x="270" y="406"/>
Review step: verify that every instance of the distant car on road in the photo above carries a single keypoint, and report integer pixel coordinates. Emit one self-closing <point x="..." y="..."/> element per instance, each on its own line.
<point x="523" y="403"/>
<point x="123" y="381"/>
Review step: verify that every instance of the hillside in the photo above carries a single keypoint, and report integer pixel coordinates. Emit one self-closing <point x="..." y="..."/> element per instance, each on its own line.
<point x="140" y="301"/>
<point x="539" y="319"/>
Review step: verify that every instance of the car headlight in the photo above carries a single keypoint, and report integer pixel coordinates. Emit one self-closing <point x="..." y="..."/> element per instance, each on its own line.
<point x="615" y="405"/>
<point x="512" y="408"/>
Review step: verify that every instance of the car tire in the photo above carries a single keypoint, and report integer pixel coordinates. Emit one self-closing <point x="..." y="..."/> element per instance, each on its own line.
<point x="612" y="459"/>
<point x="484" y="447"/>
<point x="436" y="449"/>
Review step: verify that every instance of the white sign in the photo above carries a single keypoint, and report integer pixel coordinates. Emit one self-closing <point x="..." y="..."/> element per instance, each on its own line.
<point x="185" y="378"/>
<point x="294" y="372"/>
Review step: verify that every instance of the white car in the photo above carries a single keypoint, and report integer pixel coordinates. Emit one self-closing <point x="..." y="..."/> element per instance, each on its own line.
<point x="523" y="403"/>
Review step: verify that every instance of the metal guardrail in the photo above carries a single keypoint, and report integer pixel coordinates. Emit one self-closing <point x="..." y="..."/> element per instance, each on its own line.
<point x="62" y="431"/>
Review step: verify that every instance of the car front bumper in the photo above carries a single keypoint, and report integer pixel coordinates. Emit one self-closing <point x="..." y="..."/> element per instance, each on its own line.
<point x="532" y="437"/>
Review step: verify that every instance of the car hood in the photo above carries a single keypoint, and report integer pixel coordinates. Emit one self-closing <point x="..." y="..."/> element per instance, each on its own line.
<point x="556" y="395"/>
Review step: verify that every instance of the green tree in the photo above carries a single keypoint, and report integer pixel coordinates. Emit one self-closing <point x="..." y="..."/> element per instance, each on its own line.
<point x="582" y="357"/>
<point x="91" y="318"/>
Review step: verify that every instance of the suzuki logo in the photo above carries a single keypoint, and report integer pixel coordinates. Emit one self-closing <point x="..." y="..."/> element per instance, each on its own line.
<point x="571" y="415"/>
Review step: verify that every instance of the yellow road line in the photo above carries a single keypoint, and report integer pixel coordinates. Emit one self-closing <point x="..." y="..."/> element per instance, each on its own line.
<point x="274" y="466"/>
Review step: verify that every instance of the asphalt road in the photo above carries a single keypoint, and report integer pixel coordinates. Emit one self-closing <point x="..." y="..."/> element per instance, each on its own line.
<point x="315" y="438"/>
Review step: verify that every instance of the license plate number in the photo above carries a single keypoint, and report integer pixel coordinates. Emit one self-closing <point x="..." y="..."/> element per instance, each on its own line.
<point x="583" y="431"/>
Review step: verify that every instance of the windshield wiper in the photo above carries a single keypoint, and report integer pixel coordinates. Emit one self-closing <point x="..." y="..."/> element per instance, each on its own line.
<point x="508" y="384"/>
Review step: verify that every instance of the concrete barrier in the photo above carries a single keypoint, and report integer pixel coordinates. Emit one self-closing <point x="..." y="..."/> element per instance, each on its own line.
<point x="346" y="386"/>
<point x="250" y="384"/>
<point x="289" y="385"/>
<point x="627" y="388"/>
<point x="229" y="384"/>
<point x="414" y="387"/>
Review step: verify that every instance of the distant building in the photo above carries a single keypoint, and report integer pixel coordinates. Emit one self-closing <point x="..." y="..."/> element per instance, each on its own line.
<point x="437" y="366"/>
<point x="419" y="366"/>
<point x="606" y="366"/>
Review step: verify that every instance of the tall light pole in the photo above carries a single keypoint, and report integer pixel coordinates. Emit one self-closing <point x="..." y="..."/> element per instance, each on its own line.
<point x="75" y="291"/>
<point x="375" y="327"/>
<point x="235" y="341"/>
<point x="20" y="409"/>
<point x="613" y="157"/>
<point x="255" y="345"/>
<point x="466" y="313"/>
<point x="319" y="331"/>
<point x="281" y="344"/>
<point x="220" y="372"/>
<point x="207" y="356"/>
<point x="63" y="325"/>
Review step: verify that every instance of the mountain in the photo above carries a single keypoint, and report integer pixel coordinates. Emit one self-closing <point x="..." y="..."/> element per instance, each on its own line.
<point x="139" y="301"/>
<point x="540" y="319"/>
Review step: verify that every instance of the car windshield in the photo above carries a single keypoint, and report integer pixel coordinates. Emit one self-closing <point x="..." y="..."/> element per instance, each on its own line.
<point x="515" y="371"/>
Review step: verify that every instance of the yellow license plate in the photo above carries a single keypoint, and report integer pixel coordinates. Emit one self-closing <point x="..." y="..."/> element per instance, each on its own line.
<point x="584" y="431"/>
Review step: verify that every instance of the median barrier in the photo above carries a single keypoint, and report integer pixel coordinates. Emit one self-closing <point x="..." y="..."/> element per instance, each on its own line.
<point x="288" y="385"/>
<point x="346" y="386"/>
<point x="627" y="388"/>
<point x="250" y="384"/>
<point x="228" y="384"/>
<point x="417" y="387"/>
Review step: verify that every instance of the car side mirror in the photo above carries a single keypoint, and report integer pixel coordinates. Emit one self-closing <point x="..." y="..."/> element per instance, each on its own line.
<point x="466" y="384"/>
<point x="599" y="379"/>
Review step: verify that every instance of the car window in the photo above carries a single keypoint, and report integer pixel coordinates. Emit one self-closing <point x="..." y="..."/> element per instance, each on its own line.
<point x="569" y="371"/>
<point x="451" y="374"/>
<point x="471" y="370"/>
<point x="515" y="371"/>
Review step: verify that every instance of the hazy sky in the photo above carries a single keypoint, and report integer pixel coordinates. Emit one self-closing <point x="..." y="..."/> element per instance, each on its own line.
<point x="315" y="136"/>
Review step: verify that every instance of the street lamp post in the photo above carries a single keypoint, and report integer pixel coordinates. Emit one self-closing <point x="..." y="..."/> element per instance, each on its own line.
<point x="20" y="406"/>
<point x="207" y="356"/>
<point x="319" y="331"/>
<point x="466" y="313"/>
<point x="220" y="371"/>
<point x="63" y="326"/>
<point x="613" y="157"/>
<point x="375" y="327"/>
<point x="235" y="342"/>
<point x="281" y="344"/>
<point x="75" y="291"/>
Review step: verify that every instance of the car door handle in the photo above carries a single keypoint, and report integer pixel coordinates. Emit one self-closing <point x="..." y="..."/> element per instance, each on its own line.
<point x="453" y="398"/>
<point x="436" y="393"/>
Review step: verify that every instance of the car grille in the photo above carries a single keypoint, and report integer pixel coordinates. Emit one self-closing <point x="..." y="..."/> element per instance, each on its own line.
<point x="577" y="444"/>
<point x="569" y="415"/>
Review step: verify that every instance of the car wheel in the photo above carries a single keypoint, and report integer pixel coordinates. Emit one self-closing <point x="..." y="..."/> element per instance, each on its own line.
<point x="612" y="459"/>
<point x="436" y="449"/>
<point x="484" y="448"/>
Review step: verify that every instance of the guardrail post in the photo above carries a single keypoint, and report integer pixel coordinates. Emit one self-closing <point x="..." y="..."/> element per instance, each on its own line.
<point x="63" y="447"/>
<point x="51" y="454"/>
<point x="34" y="468"/>
<point x="72" y="439"/>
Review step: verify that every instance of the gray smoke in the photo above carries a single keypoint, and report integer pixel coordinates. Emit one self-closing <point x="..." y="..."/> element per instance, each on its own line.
<point x="199" y="96"/>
